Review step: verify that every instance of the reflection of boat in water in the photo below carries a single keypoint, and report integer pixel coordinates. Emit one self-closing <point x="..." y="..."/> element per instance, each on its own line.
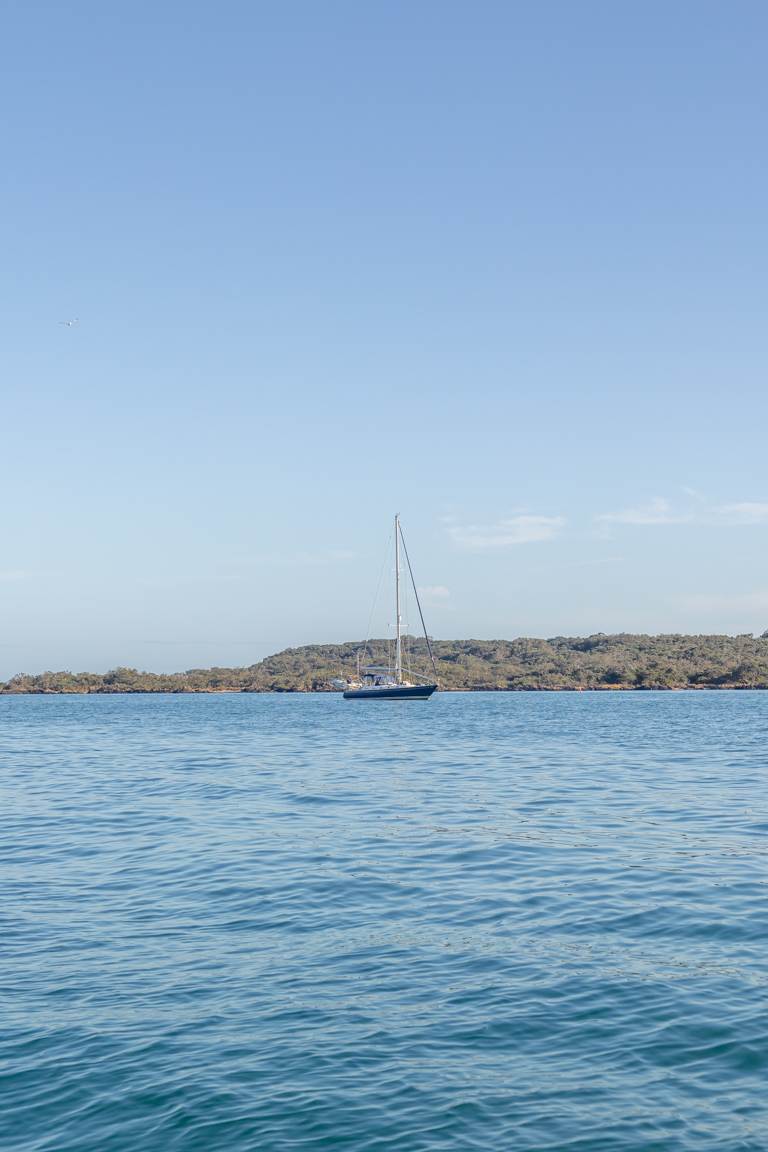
<point x="375" y="682"/>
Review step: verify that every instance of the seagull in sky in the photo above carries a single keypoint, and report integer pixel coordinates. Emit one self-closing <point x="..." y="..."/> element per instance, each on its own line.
<point x="70" y="323"/>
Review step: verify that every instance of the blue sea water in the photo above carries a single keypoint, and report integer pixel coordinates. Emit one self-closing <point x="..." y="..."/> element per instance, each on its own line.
<point x="491" y="921"/>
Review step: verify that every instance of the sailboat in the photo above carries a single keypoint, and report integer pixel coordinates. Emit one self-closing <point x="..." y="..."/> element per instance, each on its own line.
<point x="387" y="683"/>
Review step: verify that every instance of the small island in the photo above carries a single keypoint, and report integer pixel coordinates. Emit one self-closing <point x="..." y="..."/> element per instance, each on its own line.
<point x="593" y="663"/>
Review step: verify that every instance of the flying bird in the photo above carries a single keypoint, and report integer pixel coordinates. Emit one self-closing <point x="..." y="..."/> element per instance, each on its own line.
<point x="70" y="323"/>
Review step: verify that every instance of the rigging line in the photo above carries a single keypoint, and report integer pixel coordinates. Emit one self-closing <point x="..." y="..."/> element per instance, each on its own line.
<point x="418" y="605"/>
<point x="376" y="598"/>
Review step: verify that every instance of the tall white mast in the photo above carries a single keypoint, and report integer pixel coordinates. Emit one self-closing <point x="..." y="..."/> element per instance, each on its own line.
<point x="398" y="653"/>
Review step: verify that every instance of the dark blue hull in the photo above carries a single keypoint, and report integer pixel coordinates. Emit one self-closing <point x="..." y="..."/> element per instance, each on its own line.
<point x="396" y="692"/>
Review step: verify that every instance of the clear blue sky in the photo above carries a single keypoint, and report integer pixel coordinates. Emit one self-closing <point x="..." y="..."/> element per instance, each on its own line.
<point x="501" y="267"/>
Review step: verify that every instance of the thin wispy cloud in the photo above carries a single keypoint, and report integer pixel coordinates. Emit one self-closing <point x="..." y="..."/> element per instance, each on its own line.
<point x="434" y="595"/>
<point x="508" y="533"/>
<point x="697" y="510"/>
<point x="568" y="565"/>
<point x="736" y="604"/>
<point x="206" y="643"/>
<point x="302" y="559"/>
<point x="747" y="512"/>
<point x="241" y="568"/>
<point x="12" y="575"/>
<point x="658" y="511"/>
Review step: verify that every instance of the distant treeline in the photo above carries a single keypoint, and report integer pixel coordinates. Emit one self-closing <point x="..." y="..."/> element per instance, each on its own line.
<point x="621" y="661"/>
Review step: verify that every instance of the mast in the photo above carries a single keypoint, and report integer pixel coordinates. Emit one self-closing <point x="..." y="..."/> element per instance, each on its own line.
<point x="398" y="650"/>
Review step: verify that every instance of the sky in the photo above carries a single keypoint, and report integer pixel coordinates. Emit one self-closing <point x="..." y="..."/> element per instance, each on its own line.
<point x="500" y="267"/>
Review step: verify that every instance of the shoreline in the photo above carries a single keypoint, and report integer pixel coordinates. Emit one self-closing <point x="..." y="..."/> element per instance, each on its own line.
<point x="603" y="689"/>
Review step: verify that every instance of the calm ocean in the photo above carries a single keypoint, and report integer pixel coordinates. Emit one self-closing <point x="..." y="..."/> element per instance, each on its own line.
<point x="492" y="921"/>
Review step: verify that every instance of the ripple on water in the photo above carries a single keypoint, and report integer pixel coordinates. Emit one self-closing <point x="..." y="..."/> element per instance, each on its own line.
<point x="496" y="921"/>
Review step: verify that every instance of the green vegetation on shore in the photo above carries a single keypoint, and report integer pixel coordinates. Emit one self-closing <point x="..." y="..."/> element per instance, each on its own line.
<point x="621" y="661"/>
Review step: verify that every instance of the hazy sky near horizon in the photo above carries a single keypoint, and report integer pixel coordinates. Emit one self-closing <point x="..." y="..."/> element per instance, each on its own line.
<point x="499" y="267"/>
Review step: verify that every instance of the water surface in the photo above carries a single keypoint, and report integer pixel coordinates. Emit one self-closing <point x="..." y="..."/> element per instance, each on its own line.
<point x="491" y="921"/>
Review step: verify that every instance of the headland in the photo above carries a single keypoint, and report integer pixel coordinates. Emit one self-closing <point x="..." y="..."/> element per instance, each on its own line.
<point x="601" y="662"/>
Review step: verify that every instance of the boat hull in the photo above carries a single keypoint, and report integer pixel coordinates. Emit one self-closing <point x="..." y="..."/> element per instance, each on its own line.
<point x="395" y="692"/>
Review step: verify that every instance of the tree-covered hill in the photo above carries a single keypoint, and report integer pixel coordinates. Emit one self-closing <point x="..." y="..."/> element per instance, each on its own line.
<point x="621" y="661"/>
